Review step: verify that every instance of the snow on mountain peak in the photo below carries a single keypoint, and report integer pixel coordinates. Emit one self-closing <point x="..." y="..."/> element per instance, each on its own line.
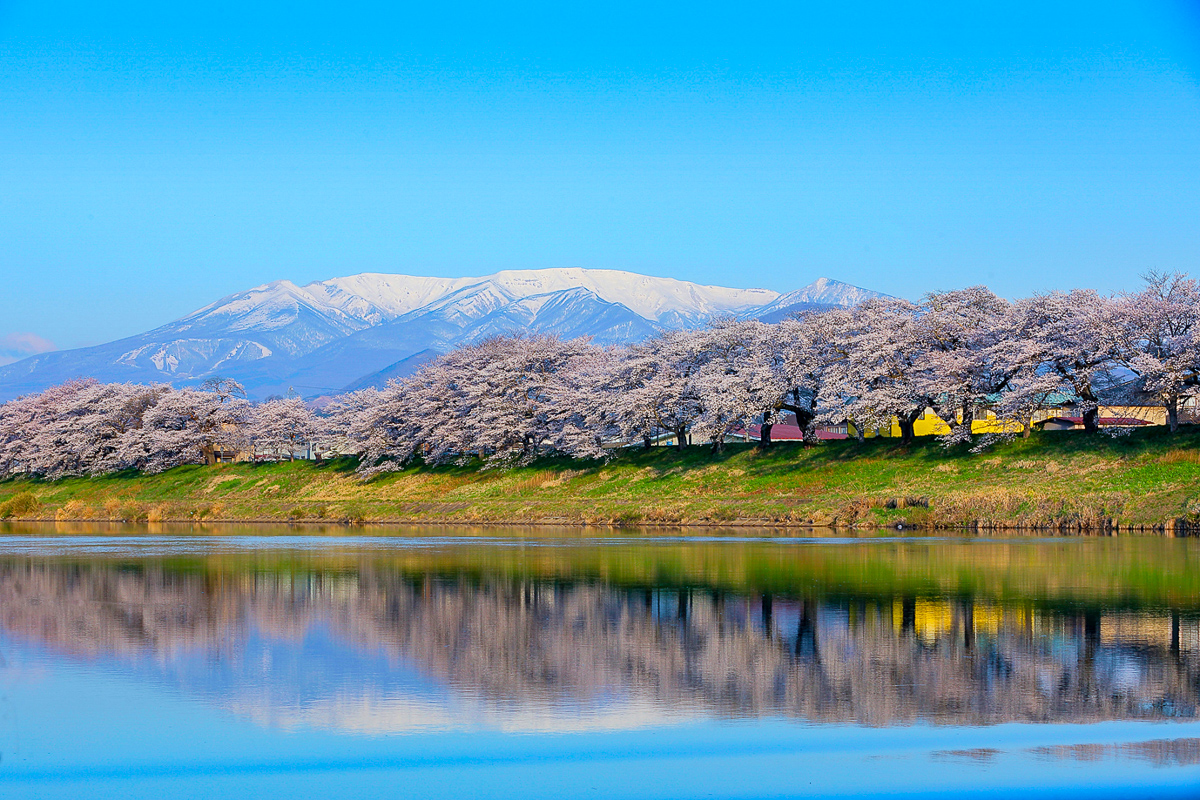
<point x="650" y="297"/>
<point x="340" y="306"/>
<point x="325" y="334"/>
<point x="825" y="292"/>
<point x="268" y="306"/>
<point x="392" y="295"/>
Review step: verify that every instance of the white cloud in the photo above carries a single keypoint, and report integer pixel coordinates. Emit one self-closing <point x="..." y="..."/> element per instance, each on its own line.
<point x="15" y="346"/>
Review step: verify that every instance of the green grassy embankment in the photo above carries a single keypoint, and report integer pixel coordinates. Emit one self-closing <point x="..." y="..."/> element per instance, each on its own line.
<point x="1147" y="480"/>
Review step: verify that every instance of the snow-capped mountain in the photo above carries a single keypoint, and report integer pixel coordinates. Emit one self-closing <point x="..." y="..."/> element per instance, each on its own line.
<point x="327" y="335"/>
<point x="821" y="293"/>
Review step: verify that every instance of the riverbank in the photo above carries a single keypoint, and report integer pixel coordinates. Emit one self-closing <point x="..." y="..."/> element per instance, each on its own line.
<point x="1147" y="481"/>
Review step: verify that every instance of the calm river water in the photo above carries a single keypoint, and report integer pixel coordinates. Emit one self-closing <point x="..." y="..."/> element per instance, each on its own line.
<point x="261" y="662"/>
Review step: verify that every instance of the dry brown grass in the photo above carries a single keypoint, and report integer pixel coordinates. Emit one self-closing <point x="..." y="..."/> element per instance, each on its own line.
<point x="1005" y="507"/>
<point x="562" y="477"/>
<point x="663" y="515"/>
<point x="535" y="481"/>
<point x="1180" y="457"/>
<point x="74" y="509"/>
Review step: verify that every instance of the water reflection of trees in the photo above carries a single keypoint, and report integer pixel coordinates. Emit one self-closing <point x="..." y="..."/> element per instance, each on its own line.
<point x="877" y="660"/>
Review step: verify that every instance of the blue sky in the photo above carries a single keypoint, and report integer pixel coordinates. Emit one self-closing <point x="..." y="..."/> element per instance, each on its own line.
<point x="156" y="156"/>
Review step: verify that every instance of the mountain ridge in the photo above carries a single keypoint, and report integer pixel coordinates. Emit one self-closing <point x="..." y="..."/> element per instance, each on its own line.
<point x="325" y="336"/>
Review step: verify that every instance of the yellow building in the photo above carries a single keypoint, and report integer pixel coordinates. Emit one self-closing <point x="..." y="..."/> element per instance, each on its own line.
<point x="985" y="421"/>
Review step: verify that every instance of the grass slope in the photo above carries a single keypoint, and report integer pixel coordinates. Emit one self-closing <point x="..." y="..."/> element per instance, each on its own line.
<point x="1144" y="480"/>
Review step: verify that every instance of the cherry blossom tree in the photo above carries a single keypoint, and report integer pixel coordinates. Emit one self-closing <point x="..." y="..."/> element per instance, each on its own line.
<point x="371" y="424"/>
<point x="807" y="354"/>
<point x="880" y="378"/>
<point x="506" y="400"/>
<point x="102" y="420"/>
<point x="1076" y="339"/>
<point x="970" y="355"/>
<point x="1163" y="341"/>
<point x="732" y="378"/>
<point x="277" y="428"/>
<point x="77" y="428"/>
<point x="25" y="425"/>
<point x="515" y="399"/>
<point x="654" y="387"/>
<point x="186" y="426"/>
<point x="225" y="388"/>
<point x="54" y="434"/>
<point x="746" y="370"/>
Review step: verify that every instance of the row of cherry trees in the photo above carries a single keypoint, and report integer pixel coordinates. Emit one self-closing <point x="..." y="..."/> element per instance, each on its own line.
<point x="955" y="352"/>
<point x="509" y="399"/>
<point x="84" y="427"/>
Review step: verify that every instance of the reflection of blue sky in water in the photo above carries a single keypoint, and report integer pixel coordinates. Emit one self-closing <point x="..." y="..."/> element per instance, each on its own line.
<point x="74" y="729"/>
<point x="320" y="681"/>
<point x="138" y="678"/>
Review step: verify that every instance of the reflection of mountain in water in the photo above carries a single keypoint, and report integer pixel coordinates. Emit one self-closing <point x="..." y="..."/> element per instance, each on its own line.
<point x="374" y="650"/>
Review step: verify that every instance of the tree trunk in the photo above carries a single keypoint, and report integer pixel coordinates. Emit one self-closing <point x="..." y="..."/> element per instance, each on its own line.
<point x="804" y="417"/>
<point x="968" y="418"/>
<point x="1173" y="414"/>
<point x="907" y="426"/>
<point x="681" y="437"/>
<point x="1027" y="428"/>
<point x="210" y="455"/>
<point x="647" y="441"/>
<point x="1091" y="417"/>
<point x="764" y="432"/>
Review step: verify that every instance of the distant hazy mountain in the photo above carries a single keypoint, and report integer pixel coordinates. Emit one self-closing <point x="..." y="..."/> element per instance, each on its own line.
<point x="365" y="329"/>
